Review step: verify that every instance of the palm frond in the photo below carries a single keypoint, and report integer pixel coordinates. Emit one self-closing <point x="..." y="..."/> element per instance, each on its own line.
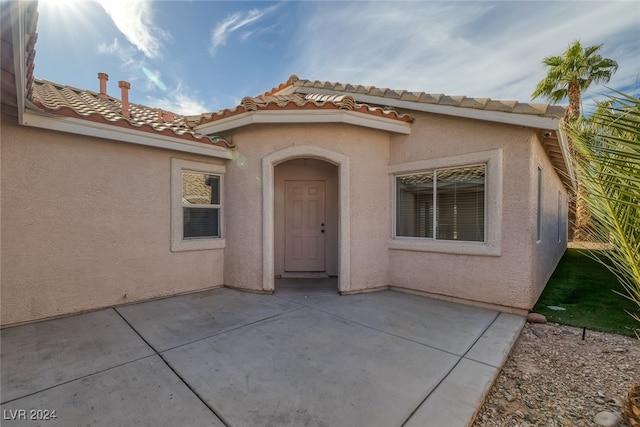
<point x="608" y="166"/>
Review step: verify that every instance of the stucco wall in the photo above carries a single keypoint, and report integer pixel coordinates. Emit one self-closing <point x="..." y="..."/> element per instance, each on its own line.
<point x="553" y="238"/>
<point x="507" y="278"/>
<point x="86" y="224"/>
<point x="368" y="151"/>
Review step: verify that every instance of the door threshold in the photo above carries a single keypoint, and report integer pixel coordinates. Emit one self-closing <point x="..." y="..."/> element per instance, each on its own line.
<point x="304" y="275"/>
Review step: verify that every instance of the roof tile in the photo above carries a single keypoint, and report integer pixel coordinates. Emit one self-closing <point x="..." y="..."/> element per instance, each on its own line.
<point x="410" y="96"/>
<point x="523" y="108"/>
<point x="479" y="103"/>
<point x="451" y="100"/>
<point x="393" y="94"/>
<point x="300" y="102"/>
<point x="71" y="102"/>
<point x="290" y="81"/>
<point x="507" y="106"/>
<point x="430" y="98"/>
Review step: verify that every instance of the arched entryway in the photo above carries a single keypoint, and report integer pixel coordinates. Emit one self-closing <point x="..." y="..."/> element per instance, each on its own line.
<point x="317" y="179"/>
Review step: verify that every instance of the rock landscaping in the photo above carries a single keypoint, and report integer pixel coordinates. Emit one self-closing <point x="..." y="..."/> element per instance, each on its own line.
<point x="553" y="377"/>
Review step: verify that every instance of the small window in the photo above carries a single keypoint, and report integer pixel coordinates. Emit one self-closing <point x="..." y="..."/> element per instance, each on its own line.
<point x="539" y="211"/>
<point x="200" y="205"/>
<point x="197" y="201"/>
<point x="561" y="218"/>
<point x="444" y="204"/>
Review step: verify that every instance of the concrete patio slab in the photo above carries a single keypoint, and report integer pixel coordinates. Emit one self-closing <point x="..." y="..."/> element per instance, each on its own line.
<point x="440" y="324"/>
<point x="176" y="321"/>
<point x="307" y="292"/>
<point x="456" y="400"/>
<point x="491" y="348"/>
<point x="310" y="368"/>
<point x="140" y="393"/>
<point x="304" y="356"/>
<point x="41" y="355"/>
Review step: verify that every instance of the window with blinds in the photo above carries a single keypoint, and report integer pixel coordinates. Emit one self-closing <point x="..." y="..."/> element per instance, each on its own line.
<point x="443" y="204"/>
<point x="200" y="205"/>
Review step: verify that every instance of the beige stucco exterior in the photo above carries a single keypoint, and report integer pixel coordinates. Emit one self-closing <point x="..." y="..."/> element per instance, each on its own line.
<point x="366" y="149"/>
<point x="554" y="221"/>
<point x="93" y="212"/>
<point x="86" y="224"/>
<point x="512" y="276"/>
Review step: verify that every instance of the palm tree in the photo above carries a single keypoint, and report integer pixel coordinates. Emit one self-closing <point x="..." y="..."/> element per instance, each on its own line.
<point x="569" y="76"/>
<point x="609" y="168"/>
<point x="572" y="73"/>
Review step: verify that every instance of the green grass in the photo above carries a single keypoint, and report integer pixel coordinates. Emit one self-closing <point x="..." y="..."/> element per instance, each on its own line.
<point x="586" y="289"/>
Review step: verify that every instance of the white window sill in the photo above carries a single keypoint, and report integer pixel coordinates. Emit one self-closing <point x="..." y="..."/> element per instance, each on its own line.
<point x="444" y="246"/>
<point x="197" y="245"/>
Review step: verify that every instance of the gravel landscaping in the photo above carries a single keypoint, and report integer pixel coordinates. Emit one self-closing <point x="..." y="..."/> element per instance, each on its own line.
<point x="554" y="377"/>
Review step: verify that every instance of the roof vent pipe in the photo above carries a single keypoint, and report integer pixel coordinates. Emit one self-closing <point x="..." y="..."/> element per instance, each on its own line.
<point x="103" y="85"/>
<point x="124" y="88"/>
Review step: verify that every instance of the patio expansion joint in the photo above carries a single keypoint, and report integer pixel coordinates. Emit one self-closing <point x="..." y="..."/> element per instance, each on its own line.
<point x="400" y="336"/>
<point x="213" y="411"/>
<point x="297" y="301"/>
<point x="79" y="378"/>
<point x="224" y="331"/>
<point x="444" y="377"/>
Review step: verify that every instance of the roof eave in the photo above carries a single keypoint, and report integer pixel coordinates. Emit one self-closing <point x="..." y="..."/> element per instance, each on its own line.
<point x="563" y="142"/>
<point x="520" y="119"/>
<point x="18" y="36"/>
<point x="106" y="131"/>
<point x="304" y="116"/>
<point x="530" y="120"/>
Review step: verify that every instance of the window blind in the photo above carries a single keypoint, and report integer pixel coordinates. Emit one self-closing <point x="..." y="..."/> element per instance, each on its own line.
<point x="446" y="203"/>
<point x="200" y="205"/>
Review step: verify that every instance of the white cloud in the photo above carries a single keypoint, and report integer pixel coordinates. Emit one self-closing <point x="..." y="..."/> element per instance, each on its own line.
<point x="179" y="104"/>
<point x="126" y="54"/>
<point x="111" y="49"/>
<point x="481" y="49"/>
<point x="235" y="22"/>
<point x="179" y="100"/>
<point x="133" y="20"/>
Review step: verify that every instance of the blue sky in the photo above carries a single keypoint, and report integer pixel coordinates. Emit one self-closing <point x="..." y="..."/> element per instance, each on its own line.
<point x="191" y="57"/>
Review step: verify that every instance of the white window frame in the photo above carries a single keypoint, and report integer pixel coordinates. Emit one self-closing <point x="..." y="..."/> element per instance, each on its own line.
<point x="493" y="205"/>
<point x="178" y="243"/>
<point x="561" y="217"/>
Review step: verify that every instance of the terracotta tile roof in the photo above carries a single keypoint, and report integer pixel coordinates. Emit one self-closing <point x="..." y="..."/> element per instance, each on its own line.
<point x="298" y="102"/>
<point x="402" y="99"/>
<point x="83" y="104"/>
<point x="487" y="104"/>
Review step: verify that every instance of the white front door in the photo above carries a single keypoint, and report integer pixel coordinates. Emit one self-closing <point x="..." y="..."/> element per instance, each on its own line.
<point x="304" y="226"/>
